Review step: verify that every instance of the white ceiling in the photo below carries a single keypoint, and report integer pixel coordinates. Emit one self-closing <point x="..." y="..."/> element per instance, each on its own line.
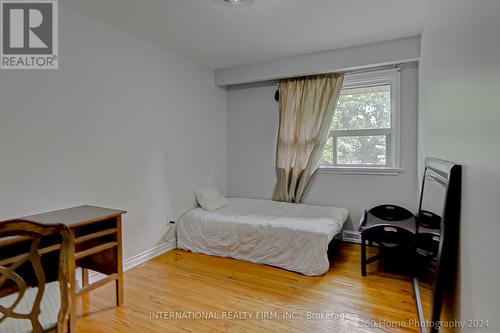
<point x="219" y="36"/>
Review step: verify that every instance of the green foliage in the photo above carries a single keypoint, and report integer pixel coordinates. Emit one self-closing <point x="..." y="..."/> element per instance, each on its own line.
<point x="328" y="153"/>
<point x="357" y="109"/>
<point x="363" y="108"/>
<point x="362" y="150"/>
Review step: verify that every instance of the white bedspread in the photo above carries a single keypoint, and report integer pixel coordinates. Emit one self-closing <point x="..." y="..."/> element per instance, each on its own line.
<point x="291" y="236"/>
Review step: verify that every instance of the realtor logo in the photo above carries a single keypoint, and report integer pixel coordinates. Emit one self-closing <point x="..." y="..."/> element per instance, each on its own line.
<point x="29" y="34"/>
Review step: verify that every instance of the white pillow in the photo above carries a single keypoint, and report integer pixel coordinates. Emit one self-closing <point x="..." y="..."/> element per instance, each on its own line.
<point x="210" y="199"/>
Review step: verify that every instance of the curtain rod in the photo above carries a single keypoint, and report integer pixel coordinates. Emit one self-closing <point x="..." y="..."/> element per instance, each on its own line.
<point x="373" y="69"/>
<point x="357" y="71"/>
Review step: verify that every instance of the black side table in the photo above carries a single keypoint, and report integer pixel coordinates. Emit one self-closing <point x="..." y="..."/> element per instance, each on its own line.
<point x="388" y="227"/>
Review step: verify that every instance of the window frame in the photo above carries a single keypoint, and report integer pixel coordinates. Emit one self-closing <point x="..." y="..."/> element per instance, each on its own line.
<point x="391" y="77"/>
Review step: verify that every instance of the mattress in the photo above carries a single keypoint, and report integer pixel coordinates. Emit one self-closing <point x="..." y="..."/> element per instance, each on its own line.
<point x="291" y="236"/>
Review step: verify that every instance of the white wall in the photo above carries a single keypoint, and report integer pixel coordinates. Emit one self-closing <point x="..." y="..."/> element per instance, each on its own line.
<point x="122" y="124"/>
<point x="460" y="117"/>
<point x="341" y="60"/>
<point x="252" y="131"/>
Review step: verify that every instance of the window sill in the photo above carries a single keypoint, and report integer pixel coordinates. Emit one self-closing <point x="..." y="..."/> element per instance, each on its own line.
<point x="360" y="171"/>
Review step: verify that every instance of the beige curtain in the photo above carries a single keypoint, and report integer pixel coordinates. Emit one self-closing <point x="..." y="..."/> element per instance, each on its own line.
<point x="306" y="112"/>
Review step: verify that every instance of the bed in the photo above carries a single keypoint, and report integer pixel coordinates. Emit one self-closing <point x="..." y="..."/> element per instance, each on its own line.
<point x="295" y="237"/>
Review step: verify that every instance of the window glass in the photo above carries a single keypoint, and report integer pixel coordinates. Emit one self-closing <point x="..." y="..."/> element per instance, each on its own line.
<point x="363" y="108"/>
<point x="362" y="133"/>
<point x="366" y="150"/>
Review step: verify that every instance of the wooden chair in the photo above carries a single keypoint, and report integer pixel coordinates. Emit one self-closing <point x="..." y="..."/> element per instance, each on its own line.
<point x="34" y="279"/>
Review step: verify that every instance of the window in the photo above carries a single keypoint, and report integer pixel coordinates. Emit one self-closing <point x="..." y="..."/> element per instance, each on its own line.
<point x="364" y="134"/>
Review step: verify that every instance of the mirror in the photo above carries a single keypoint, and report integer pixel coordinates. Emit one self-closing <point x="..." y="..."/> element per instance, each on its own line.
<point x="437" y="239"/>
<point x="428" y="237"/>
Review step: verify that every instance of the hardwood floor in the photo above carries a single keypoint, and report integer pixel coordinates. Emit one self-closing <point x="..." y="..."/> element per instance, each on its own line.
<point x="184" y="284"/>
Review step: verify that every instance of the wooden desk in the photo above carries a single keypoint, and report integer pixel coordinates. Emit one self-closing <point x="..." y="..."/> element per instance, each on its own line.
<point x="97" y="239"/>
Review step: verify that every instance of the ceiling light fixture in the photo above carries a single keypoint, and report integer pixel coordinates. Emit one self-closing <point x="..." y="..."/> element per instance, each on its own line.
<point x="236" y="2"/>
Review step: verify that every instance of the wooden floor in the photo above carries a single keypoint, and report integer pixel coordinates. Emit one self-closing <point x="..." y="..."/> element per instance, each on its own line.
<point x="251" y="297"/>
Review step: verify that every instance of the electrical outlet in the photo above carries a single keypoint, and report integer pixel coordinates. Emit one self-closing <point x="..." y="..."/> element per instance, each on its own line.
<point x="170" y="218"/>
<point x="171" y="226"/>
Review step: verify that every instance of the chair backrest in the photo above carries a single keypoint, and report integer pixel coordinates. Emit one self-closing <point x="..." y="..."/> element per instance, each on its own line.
<point x="33" y="257"/>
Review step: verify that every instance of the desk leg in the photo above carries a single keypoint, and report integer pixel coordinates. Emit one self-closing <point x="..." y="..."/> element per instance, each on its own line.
<point x="363" y="256"/>
<point x="119" y="264"/>
<point x="85" y="277"/>
<point x="72" y="287"/>
<point x="85" y="298"/>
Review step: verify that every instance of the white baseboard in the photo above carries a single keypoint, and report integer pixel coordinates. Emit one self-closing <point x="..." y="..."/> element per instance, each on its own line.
<point x="133" y="261"/>
<point x="351" y="236"/>
<point x="148" y="255"/>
